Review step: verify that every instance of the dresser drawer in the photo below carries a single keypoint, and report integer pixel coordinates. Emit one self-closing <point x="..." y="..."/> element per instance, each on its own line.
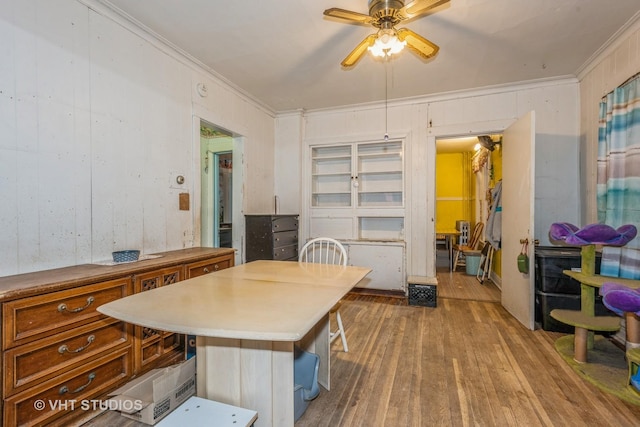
<point x="33" y="318"/>
<point x="60" y="396"/>
<point x="285" y="238"/>
<point x="157" y="278"/>
<point x="208" y="266"/>
<point x="38" y="361"/>
<point x="286" y="253"/>
<point x="285" y="223"/>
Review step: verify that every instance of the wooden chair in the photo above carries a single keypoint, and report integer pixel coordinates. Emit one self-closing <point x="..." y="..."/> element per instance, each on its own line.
<point x="471" y="246"/>
<point x="325" y="250"/>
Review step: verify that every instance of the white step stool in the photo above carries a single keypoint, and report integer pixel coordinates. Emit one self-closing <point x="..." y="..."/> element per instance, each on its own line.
<point x="197" y="411"/>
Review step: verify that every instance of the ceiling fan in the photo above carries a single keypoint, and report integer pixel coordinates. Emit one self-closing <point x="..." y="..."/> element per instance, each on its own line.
<point x="388" y="40"/>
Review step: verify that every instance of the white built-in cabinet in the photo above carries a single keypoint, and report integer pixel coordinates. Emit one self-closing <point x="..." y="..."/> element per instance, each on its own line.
<point x="386" y="259"/>
<point x="357" y="196"/>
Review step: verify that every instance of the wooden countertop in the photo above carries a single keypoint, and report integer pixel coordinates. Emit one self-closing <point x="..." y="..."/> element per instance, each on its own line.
<point x="262" y="300"/>
<point x="448" y="231"/>
<point x="27" y="284"/>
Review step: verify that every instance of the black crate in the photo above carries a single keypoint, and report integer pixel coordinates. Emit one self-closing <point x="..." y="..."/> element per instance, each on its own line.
<point x="424" y="295"/>
<point x="545" y="302"/>
<point x="550" y="261"/>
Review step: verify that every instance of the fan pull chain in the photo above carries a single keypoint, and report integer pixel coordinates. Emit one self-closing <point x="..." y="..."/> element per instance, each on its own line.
<point x="386" y="97"/>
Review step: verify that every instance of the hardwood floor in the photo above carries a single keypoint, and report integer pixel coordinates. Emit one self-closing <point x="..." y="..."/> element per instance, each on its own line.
<point x="461" y="286"/>
<point x="466" y="362"/>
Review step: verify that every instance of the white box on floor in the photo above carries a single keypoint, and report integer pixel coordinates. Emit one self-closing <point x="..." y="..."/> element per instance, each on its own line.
<point x="152" y="396"/>
<point x="197" y="411"/>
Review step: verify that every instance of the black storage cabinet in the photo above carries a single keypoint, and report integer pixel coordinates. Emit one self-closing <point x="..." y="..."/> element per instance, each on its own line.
<point x="272" y="237"/>
<point x="556" y="290"/>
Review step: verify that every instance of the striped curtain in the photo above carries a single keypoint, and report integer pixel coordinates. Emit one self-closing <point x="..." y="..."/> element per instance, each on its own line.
<point x="618" y="180"/>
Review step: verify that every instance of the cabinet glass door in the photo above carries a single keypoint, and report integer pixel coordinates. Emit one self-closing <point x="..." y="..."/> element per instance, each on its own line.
<point x="380" y="170"/>
<point x="331" y="176"/>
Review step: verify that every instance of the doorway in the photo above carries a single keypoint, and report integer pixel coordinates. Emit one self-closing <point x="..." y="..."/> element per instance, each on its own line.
<point x="223" y="199"/>
<point x="467" y="169"/>
<point x="216" y="152"/>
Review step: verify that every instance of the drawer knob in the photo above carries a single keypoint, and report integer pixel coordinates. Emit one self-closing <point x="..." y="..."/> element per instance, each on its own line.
<point x="216" y="267"/>
<point x="64" y="389"/>
<point x="64" y="349"/>
<point x="63" y="307"/>
<point x="206" y="269"/>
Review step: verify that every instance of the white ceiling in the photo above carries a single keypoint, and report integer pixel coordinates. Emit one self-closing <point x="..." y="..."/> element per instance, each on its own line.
<point x="286" y="54"/>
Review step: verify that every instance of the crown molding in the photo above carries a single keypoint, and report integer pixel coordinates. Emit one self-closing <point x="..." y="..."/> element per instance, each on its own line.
<point x="610" y="46"/>
<point x="113" y="13"/>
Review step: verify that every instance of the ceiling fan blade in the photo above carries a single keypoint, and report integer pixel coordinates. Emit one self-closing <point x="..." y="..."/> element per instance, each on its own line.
<point x="418" y="44"/>
<point x="419" y="7"/>
<point x="359" y="18"/>
<point x="359" y="51"/>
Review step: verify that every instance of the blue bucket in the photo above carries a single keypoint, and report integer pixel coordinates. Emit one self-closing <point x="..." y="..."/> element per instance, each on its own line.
<point x="472" y="263"/>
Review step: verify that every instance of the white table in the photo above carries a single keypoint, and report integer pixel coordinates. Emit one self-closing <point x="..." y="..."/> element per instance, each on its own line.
<point x="247" y="320"/>
<point x="450" y="236"/>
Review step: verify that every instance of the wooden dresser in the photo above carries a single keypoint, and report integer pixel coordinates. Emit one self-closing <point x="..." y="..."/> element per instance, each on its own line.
<point x="60" y="355"/>
<point x="271" y="237"/>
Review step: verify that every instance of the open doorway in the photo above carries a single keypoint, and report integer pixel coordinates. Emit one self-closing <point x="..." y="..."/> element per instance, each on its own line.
<point x="467" y="171"/>
<point x="216" y="152"/>
<point x="223" y="198"/>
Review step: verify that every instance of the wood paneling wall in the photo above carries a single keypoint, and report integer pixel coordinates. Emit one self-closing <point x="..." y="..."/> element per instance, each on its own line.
<point x="97" y="118"/>
<point x="421" y="121"/>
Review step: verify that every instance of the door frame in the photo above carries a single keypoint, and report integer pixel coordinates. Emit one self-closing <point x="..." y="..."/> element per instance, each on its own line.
<point x="498" y="126"/>
<point x="237" y="177"/>
<point x="442" y="132"/>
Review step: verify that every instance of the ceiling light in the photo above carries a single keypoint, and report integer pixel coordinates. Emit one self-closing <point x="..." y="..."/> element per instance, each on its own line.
<point x="387" y="43"/>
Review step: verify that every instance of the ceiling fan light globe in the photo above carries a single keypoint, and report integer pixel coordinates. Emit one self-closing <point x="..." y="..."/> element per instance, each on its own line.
<point x="387" y="44"/>
<point x="376" y="50"/>
<point x="396" y="47"/>
<point x="386" y="37"/>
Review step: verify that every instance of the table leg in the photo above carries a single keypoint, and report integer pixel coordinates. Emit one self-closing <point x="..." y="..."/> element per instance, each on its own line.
<point x="256" y="375"/>
<point x="317" y="341"/>
<point x="449" y="250"/>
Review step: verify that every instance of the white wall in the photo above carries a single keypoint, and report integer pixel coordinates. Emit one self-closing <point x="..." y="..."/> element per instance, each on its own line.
<point x="97" y="118"/>
<point x="96" y="121"/>
<point x="289" y="131"/>
<point x="421" y="121"/>
<point x="606" y="72"/>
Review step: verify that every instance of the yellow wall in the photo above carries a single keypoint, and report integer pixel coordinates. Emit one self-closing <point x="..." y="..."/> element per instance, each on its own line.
<point x="455" y="190"/>
<point x="450" y="190"/>
<point x="455" y="195"/>
<point x="496" y="162"/>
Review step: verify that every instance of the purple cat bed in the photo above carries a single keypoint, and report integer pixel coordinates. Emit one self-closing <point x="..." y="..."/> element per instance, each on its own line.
<point x="620" y="299"/>
<point x="598" y="234"/>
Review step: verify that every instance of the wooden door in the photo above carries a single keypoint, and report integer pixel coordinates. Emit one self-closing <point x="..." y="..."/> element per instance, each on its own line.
<point x="518" y="159"/>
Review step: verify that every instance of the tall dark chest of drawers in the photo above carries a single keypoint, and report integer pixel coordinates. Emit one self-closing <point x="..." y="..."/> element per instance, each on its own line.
<point x="271" y="237"/>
